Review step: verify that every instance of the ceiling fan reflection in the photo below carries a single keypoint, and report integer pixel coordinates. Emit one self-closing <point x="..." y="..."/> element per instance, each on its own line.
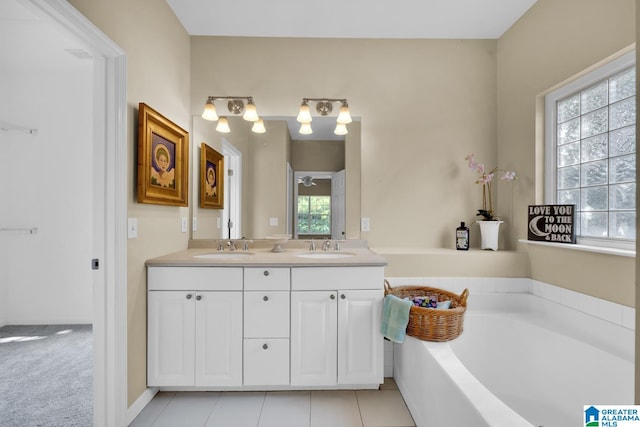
<point x="307" y="181"/>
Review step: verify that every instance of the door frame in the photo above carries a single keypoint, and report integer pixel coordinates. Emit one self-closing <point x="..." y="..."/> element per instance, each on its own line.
<point x="109" y="212"/>
<point x="232" y="190"/>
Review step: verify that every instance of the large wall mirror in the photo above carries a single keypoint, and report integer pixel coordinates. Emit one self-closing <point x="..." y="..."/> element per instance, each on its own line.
<point x="280" y="182"/>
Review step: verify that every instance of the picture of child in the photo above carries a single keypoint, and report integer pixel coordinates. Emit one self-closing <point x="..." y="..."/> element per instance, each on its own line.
<point x="211" y="189"/>
<point x="162" y="170"/>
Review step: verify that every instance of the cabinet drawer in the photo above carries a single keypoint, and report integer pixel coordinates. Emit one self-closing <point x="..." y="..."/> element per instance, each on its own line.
<point x="194" y="278"/>
<point x="266" y="314"/>
<point x="274" y="279"/>
<point x="266" y="362"/>
<point x="331" y="278"/>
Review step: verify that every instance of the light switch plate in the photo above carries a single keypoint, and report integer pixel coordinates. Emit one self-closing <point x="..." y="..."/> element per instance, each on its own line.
<point x="273" y="221"/>
<point x="364" y="224"/>
<point x="194" y="224"/>
<point x="185" y="224"/>
<point x="132" y="228"/>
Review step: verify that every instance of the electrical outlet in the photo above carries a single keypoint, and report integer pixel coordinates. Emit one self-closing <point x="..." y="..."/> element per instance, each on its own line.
<point x="194" y="224"/>
<point x="364" y="224"/>
<point x="273" y="221"/>
<point x="185" y="224"/>
<point x="132" y="228"/>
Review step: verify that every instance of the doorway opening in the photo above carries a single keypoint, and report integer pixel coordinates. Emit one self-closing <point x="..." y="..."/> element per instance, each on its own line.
<point x="232" y="213"/>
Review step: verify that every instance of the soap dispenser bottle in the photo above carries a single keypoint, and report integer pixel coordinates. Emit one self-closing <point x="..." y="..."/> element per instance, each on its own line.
<point x="462" y="237"/>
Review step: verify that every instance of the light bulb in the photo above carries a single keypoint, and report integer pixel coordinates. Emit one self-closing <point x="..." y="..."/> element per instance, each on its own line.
<point x="304" y="115"/>
<point x="305" y="129"/>
<point x="209" y="112"/>
<point x="250" y="112"/>
<point x="258" y="126"/>
<point x="223" y="125"/>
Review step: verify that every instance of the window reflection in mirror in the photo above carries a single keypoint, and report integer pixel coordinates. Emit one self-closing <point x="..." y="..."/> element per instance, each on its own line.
<point x="261" y="194"/>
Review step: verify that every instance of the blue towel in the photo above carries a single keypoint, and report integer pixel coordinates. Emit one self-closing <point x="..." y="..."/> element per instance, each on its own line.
<point x="395" y="317"/>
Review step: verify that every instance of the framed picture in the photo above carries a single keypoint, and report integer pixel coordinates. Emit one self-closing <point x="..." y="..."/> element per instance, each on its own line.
<point x="163" y="159"/>
<point x="211" y="178"/>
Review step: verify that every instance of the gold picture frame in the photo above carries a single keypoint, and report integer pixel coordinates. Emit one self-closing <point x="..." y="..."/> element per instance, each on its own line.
<point x="211" y="178"/>
<point x="163" y="159"/>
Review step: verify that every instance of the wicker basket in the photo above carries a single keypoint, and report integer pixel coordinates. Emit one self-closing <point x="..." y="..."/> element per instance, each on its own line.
<point x="430" y="324"/>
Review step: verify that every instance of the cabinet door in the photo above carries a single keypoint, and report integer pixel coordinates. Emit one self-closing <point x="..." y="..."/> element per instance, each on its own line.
<point x="313" y="338"/>
<point x="218" y="343"/>
<point x="360" y="343"/>
<point x="171" y="316"/>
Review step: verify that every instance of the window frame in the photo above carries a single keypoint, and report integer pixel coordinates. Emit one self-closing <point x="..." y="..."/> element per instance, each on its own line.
<point x="582" y="82"/>
<point x="309" y="215"/>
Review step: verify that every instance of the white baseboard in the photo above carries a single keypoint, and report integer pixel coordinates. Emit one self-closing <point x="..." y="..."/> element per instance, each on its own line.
<point x="140" y="403"/>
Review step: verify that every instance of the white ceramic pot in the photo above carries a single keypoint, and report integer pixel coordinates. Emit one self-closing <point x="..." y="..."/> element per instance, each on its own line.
<point x="489" y="234"/>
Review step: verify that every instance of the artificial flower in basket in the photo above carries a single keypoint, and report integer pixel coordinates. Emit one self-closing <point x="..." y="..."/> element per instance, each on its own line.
<point x="485" y="178"/>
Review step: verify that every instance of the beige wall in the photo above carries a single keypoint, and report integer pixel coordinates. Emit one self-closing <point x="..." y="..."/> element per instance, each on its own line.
<point x="317" y="155"/>
<point x="552" y="42"/>
<point x="157" y="48"/>
<point x="267" y="170"/>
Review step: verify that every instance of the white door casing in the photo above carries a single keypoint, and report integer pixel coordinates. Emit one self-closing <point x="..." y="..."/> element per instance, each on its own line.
<point x="338" y="205"/>
<point x="109" y="212"/>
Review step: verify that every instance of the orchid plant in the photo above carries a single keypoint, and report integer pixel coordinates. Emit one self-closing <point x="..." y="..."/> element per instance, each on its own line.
<point x="485" y="178"/>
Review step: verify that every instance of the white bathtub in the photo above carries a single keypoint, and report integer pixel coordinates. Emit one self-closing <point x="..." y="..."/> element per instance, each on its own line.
<point x="521" y="361"/>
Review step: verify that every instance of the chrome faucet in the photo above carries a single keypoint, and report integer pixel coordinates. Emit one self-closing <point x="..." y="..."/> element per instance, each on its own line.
<point x="326" y="245"/>
<point x="232" y="245"/>
<point x="312" y="245"/>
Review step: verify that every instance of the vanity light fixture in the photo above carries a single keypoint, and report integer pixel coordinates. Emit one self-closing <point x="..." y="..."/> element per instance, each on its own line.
<point x="341" y="129"/>
<point x="305" y="129"/>
<point x="223" y="125"/>
<point x="258" y="126"/>
<point x="235" y="105"/>
<point x="324" y="107"/>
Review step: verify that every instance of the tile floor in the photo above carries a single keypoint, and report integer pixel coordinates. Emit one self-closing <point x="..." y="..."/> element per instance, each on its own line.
<point x="359" y="408"/>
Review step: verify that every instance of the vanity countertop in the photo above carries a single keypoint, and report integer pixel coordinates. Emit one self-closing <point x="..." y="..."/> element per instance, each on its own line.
<point x="204" y="253"/>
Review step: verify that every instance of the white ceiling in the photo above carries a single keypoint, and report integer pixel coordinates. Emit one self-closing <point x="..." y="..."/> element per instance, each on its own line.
<point x="457" y="19"/>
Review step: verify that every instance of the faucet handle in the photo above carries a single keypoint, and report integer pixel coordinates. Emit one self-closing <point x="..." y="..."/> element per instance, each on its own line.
<point x="337" y="246"/>
<point x="312" y="245"/>
<point x="245" y="244"/>
<point x="220" y="245"/>
<point x="326" y="245"/>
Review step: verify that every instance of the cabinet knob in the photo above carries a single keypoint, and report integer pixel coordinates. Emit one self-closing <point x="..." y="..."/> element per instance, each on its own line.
<point x="342" y="296"/>
<point x="265" y="298"/>
<point x="199" y="297"/>
<point x="266" y="273"/>
<point x="189" y="296"/>
<point x="332" y="296"/>
<point x="265" y="346"/>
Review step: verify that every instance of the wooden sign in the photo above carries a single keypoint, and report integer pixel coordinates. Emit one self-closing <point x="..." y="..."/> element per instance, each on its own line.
<point x="552" y="223"/>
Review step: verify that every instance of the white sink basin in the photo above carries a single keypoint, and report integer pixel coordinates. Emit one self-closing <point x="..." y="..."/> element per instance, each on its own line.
<point x="224" y="255"/>
<point x="325" y="255"/>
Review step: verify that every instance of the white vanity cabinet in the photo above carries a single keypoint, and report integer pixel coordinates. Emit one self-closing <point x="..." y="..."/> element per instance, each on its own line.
<point x="282" y="326"/>
<point x="266" y="326"/>
<point x="335" y="326"/>
<point x="194" y="326"/>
